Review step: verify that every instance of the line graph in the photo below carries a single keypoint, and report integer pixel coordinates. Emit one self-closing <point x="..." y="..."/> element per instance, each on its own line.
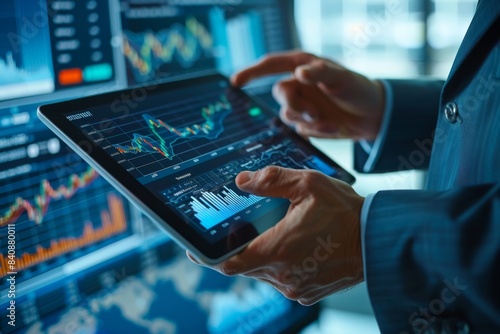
<point x="60" y="212"/>
<point x="281" y="155"/>
<point x="37" y="209"/>
<point x="181" y="44"/>
<point x="113" y="222"/>
<point x="165" y="135"/>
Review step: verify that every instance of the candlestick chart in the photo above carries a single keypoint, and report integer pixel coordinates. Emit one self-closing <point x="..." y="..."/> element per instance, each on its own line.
<point x="164" y="136"/>
<point x="37" y="209"/>
<point x="66" y="216"/>
<point x="179" y="47"/>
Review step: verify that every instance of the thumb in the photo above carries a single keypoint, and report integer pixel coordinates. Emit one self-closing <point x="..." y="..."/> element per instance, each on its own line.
<point x="272" y="181"/>
<point x="321" y="71"/>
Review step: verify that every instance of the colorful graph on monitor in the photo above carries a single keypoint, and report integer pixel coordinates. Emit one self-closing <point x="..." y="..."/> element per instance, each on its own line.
<point x="180" y="47"/>
<point x="37" y="209"/>
<point x="113" y="222"/>
<point x="59" y="215"/>
<point x="164" y="136"/>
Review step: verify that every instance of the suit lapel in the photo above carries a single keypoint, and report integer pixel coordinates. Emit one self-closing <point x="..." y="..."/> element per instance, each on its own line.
<point x="488" y="12"/>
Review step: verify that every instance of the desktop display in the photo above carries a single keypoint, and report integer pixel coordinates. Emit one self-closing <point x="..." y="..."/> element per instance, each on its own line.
<point x="161" y="40"/>
<point x="81" y="250"/>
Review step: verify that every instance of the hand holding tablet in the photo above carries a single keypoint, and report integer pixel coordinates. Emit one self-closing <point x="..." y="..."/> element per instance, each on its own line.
<point x="175" y="151"/>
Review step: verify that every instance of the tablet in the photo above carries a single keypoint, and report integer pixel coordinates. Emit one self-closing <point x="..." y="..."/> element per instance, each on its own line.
<point x="174" y="149"/>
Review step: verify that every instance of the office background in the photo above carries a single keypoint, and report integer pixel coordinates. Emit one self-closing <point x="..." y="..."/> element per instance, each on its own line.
<point x="79" y="269"/>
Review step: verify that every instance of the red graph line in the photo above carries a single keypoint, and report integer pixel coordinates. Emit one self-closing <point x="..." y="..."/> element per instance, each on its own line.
<point x="162" y="47"/>
<point x="37" y="209"/>
<point x="113" y="222"/>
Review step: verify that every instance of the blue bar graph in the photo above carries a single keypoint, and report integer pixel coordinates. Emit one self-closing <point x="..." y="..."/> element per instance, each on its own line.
<point x="25" y="56"/>
<point x="212" y="209"/>
<point x="221" y="43"/>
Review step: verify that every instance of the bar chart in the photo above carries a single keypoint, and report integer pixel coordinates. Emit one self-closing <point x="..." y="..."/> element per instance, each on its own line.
<point x="212" y="208"/>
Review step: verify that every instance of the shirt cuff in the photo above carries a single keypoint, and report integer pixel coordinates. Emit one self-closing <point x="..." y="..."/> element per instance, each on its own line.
<point x="364" y="221"/>
<point x="373" y="148"/>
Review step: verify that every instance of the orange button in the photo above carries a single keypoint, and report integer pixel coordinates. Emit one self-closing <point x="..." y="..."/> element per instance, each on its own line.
<point x="70" y="76"/>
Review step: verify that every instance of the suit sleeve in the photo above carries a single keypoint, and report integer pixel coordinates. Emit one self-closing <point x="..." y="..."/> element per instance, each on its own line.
<point x="424" y="270"/>
<point x="413" y="118"/>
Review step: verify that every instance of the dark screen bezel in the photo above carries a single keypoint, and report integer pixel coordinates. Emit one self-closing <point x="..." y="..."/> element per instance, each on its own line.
<point x="55" y="113"/>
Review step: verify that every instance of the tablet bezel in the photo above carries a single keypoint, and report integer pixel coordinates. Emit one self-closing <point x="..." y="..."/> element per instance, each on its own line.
<point x="53" y="115"/>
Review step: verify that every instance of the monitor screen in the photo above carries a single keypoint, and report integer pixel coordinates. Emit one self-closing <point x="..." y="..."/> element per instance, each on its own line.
<point x="54" y="45"/>
<point x="75" y="256"/>
<point x="168" y="38"/>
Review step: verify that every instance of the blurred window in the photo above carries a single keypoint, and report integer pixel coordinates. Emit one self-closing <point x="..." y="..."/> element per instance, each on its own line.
<point x="386" y="38"/>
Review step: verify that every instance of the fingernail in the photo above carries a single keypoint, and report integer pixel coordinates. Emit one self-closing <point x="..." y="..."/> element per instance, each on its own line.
<point x="228" y="271"/>
<point x="308" y="118"/>
<point x="305" y="68"/>
<point x="234" y="81"/>
<point x="303" y="71"/>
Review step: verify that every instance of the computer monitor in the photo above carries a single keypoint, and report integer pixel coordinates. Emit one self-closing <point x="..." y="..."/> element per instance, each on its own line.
<point x="163" y="40"/>
<point x="75" y="256"/>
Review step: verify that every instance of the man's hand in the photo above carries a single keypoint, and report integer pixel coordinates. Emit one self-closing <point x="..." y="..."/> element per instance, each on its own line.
<point x="316" y="249"/>
<point x="322" y="99"/>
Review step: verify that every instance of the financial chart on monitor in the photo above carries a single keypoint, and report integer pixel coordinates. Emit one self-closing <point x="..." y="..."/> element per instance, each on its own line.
<point x="59" y="209"/>
<point x="77" y="239"/>
<point x="50" y="45"/>
<point x="25" y="69"/>
<point x="45" y="189"/>
<point x="166" y="38"/>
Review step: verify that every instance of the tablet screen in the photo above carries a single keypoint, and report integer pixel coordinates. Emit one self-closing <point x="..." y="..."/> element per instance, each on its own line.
<point x="187" y="145"/>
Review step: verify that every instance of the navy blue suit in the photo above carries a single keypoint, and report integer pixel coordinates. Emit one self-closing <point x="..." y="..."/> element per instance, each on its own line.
<point x="433" y="256"/>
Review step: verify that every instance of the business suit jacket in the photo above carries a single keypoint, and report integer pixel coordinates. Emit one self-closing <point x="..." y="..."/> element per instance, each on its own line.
<point x="433" y="256"/>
